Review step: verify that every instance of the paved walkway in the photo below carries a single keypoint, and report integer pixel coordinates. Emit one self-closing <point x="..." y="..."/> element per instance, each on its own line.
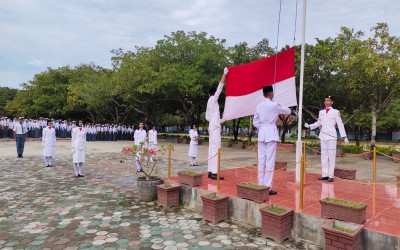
<point x="46" y="208"/>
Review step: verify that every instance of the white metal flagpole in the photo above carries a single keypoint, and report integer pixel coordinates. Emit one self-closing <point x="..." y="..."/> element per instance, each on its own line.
<point x="300" y="115"/>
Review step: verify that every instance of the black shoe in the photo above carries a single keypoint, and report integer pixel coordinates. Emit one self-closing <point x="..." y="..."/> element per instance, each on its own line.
<point x="323" y="178"/>
<point x="214" y="177"/>
<point x="330" y="179"/>
<point x="79" y="175"/>
<point x="195" y="165"/>
<point x="139" y="170"/>
<point x="209" y="174"/>
<point x="47" y="166"/>
<point x="19" y="156"/>
<point x="191" y="165"/>
<point x="272" y="192"/>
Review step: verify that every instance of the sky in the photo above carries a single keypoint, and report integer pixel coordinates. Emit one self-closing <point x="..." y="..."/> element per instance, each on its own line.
<point x="37" y="34"/>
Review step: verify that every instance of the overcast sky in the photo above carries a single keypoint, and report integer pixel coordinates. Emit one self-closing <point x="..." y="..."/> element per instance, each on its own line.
<point x="36" y="34"/>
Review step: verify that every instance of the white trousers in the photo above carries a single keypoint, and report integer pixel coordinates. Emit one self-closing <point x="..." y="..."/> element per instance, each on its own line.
<point x="47" y="160"/>
<point x="78" y="168"/>
<point x="328" y="157"/>
<point x="214" y="145"/>
<point x="266" y="162"/>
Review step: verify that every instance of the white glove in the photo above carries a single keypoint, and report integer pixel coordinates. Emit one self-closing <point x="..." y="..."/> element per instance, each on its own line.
<point x="226" y="71"/>
<point x="346" y="141"/>
<point x="221" y="121"/>
<point x="306" y="125"/>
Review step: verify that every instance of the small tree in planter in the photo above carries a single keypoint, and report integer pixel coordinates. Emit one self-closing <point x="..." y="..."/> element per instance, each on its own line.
<point x="276" y="223"/>
<point x="215" y="207"/>
<point x="332" y="208"/>
<point x="251" y="191"/>
<point x="342" y="235"/>
<point x="190" y="178"/>
<point x="147" y="157"/>
<point x="168" y="195"/>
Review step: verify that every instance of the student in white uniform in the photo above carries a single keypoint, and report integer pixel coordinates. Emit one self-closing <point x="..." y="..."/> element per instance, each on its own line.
<point x="20" y="131"/>
<point x="78" y="144"/>
<point x="48" y="143"/>
<point x="214" y="127"/>
<point x="194" y="142"/>
<point x="328" y="118"/>
<point x="153" y="140"/>
<point x="140" y="137"/>
<point x="267" y="113"/>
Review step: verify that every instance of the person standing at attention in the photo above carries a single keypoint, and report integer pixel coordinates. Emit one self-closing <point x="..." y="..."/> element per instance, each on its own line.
<point x="78" y="144"/>
<point x="214" y="127"/>
<point x="194" y="142"/>
<point x="140" y="138"/>
<point x="20" y="131"/>
<point x="328" y="118"/>
<point x="153" y="140"/>
<point x="267" y="113"/>
<point x="48" y="143"/>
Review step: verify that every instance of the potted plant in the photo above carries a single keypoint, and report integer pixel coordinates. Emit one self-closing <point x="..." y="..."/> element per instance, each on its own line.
<point x="147" y="158"/>
<point x="367" y="153"/>
<point x="185" y="139"/>
<point x="215" y="207"/>
<point x="168" y="195"/>
<point x="332" y="208"/>
<point x="190" y="178"/>
<point x="342" y="235"/>
<point x="276" y="223"/>
<point x="251" y="191"/>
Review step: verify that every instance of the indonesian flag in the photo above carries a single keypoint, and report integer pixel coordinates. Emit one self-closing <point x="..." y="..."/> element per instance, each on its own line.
<point x="244" y="84"/>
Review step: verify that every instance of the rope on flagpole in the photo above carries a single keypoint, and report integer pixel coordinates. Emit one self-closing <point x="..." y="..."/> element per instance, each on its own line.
<point x="295" y="25"/>
<point x="277" y="41"/>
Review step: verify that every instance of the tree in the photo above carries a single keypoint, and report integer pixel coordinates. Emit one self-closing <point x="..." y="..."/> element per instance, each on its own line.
<point x="6" y="94"/>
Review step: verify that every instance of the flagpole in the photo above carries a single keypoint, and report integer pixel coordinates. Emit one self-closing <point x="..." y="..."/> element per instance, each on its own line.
<point x="300" y="115"/>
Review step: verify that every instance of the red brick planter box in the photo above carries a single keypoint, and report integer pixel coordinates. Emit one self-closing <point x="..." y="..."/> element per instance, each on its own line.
<point x="396" y="157"/>
<point x="367" y="155"/>
<point x="345" y="173"/>
<point x="343" y="213"/>
<point x="168" y="197"/>
<point x="336" y="239"/>
<point x="215" y="210"/>
<point x="193" y="180"/>
<point x="277" y="227"/>
<point x="280" y="165"/>
<point x="256" y="194"/>
<point x="398" y="180"/>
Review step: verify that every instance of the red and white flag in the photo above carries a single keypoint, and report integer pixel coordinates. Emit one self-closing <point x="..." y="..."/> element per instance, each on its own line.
<point x="244" y="84"/>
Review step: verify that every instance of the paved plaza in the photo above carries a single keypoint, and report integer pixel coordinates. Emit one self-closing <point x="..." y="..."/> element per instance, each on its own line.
<point x="46" y="208"/>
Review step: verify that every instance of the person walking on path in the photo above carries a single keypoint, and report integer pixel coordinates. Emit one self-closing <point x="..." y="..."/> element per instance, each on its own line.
<point x="265" y="117"/>
<point x="214" y="127"/>
<point x="78" y="144"/>
<point x="194" y="142"/>
<point x="20" y="131"/>
<point x="328" y="118"/>
<point x="48" y="143"/>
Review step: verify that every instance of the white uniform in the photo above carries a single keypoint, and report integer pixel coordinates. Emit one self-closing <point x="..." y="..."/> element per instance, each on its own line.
<point x="78" y="143"/>
<point x="153" y="139"/>
<point x="193" y="146"/>
<point x="327" y="120"/>
<point x="139" y="137"/>
<point x="48" y="144"/>
<point x="267" y="113"/>
<point x="214" y="129"/>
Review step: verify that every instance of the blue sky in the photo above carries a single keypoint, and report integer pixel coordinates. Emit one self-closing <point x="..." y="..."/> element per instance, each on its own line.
<point x="36" y="34"/>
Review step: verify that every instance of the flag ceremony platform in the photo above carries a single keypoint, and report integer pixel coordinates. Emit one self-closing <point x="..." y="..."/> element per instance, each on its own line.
<point x="381" y="229"/>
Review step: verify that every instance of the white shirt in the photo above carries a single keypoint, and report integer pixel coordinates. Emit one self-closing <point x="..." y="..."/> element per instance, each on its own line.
<point x="267" y="113"/>
<point x="153" y="137"/>
<point x="139" y="136"/>
<point x="212" y="112"/>
<point x="193" y="136"/>
<point x="19" y="128"/>
<point x="328" y="122"/>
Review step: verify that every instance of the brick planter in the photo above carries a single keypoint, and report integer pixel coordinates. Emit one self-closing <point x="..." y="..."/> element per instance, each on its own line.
<point x="398" y="180"/>
<point x="168" y="196"/>
<point x="280" y="165"/>
<point x="215" y="207"/>
<point x="367" y="155"/>
<point x="251" y="191"/>
<point x="396" y="157"/>
<point x="337" y="239"/>
<point x="339" y="152"/>
<point x="277" y="227"/>
<point x="192" y="179"/>
<point x="342" y="212"/>
<point x="345" y="173"/>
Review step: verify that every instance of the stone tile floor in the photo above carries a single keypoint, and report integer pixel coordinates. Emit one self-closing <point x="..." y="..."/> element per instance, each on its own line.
<point x="46" y="208"/>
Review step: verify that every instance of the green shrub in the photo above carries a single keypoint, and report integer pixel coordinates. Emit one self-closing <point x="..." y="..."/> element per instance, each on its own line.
<point x="384" y="150"/>
<point x="352" y="149"/>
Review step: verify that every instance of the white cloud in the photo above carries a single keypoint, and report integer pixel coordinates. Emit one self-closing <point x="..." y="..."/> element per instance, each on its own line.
<point x="36" y="63"/>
